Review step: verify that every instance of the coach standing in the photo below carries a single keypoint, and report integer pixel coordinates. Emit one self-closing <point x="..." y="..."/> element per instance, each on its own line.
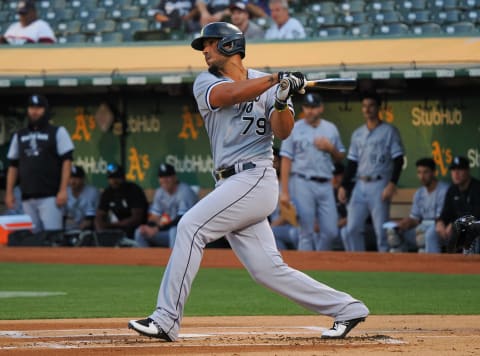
<point x="40" y="157"/>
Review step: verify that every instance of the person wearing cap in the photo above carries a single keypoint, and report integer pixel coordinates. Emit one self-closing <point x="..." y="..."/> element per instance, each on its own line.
<point x="308" y="157"/>
<point x="212" y="10"/>
<point x="123" y="204"/>
<point x="29" y="28"/>
<point x="462" y="198"/>
<point x="283" y="27"/>
<point x="40" y="158"/>
<point x="240" y="17"/>
<point x="173" y="14"/>
<point x="172" y="199"/>
<point x="82" y="202"/>
<point x="416" y="232"/>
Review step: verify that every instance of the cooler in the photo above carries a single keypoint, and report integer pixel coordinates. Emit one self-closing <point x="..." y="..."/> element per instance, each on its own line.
<point x="9" y="223"/>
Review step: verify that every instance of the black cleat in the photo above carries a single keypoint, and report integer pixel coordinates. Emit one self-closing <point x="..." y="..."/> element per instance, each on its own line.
<point x="148" y="327"/>
<point x="340" y="329"/>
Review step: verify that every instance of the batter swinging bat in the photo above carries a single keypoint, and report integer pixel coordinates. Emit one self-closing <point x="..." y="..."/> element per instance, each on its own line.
<point x="328" y="83"/>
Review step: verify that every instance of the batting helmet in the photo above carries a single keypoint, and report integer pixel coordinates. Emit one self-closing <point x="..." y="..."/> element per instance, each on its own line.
<point x="231" y="39"/>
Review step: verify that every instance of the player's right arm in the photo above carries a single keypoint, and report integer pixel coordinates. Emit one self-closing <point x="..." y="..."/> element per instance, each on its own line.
<point x="286" y="167"/>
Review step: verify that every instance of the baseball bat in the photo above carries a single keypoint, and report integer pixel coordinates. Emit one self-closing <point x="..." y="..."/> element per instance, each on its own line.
<point x="333" y="83"/>
<point x="328" y="83"/>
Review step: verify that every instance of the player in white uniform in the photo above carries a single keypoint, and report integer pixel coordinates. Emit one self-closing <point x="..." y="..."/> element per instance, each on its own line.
<point x="242" y="110"/>
<point x="418" y="229"/>
<point x="375" y="159"/>
<point x="308" y="157"/>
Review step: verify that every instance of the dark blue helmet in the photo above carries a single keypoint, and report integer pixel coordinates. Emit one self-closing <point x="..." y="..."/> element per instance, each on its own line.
<point x="231" y="39"/>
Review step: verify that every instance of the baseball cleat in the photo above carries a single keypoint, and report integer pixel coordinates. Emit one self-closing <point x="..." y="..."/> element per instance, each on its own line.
<point x="148" y="327"/>
<point x="340" y="329"/>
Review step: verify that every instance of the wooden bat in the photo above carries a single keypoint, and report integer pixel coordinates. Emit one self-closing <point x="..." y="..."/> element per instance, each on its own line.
<point x="328" y="83"/>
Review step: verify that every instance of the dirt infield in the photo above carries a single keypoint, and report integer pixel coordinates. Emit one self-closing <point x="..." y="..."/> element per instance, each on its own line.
<point x="272" y="335"/>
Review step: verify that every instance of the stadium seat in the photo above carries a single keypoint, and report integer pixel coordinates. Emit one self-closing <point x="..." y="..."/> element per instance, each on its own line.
<point x="356" y="18"/>
<point x="68" y="27"/>
<point x="56" y="15"/>
<point x="461" y="28"/>
<point x="108" y="37"/>
<point x="445" y="4"/>
<point x="417" y="5"/>
<point x="87" y="15"/>
<point x="97" y="26"/>
<point x="473" y="16"/>
<point x="73" y="38"/>
<point x="115" y="3"/>
<point x="427" y="29"/>
<point x="418" y="17"/>
<point x="450" y="16"/>
<point x="5" y="16"/>
<point x="387" y="17"/>
<point x="392" y="29"/>
<point x="337" y="31"/>
<point x="324" y="20"/>
<point x="83" y="4"/>
<point x="128" y="28"/>
<point x="352" y="6"/>
<point x="146" y="3"/>
<point x="470" y="4"/>
<point x="377" y="6"/>
<point x="363" y="30"/>
<point x="52" y="4"/>
<point x="323" y="8"/>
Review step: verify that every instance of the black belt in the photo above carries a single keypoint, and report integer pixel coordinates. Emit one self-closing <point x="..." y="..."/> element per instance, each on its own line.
<point x="229" y="171"/>
<point x="369" y="178"/>
<point x="315" y="179"/>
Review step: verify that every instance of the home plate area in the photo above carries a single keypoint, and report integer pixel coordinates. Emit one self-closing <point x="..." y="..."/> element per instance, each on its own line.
<point x="258" y="335"/>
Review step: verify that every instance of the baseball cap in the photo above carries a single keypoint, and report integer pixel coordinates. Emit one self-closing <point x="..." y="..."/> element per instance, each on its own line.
<point x="77" y="171"/>
<point x="115" y="171"/>
<point x="24" y="7"/>
<point x="37" y="100"/>
<point x="460" y="162"/>
<point x="166" y="170"/>
<point x="311" y="99"/>
<point x="241" y="5"/>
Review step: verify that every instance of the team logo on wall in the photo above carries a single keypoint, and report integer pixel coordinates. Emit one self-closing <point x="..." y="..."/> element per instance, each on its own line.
<point x="104" y="117"/>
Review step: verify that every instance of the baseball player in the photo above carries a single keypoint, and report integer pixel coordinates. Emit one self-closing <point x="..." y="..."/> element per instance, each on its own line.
<point x="41" y="158"/>
<point x="308" y="157"/>
<point x="171" y="201"/>
<point x="375" y="158"/>
<point x="242" y="110"/>
<point x="417" y="231"/>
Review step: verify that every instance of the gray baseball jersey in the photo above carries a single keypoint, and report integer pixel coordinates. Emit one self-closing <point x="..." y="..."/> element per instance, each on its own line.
<point x="174" y="205"/>
<point x="239" y="133"/>
<point x="375" y="150"/>
<point x="290" y="30"/>
<point x="428" y="206"/>
<point x="306" y="158"/>
<point x="81" y="207"/>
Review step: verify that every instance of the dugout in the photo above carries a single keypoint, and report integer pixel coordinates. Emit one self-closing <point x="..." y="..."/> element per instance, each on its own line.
<point x="132" y="103"/>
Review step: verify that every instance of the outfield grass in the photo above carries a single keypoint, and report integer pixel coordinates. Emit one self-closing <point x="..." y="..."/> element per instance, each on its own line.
<point x="131" y="291"/>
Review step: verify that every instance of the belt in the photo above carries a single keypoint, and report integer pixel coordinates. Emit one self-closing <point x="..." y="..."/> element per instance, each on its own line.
<point x="229" y="171"/>
<point x="315" y="179"/>
<point x="370" y="178"/>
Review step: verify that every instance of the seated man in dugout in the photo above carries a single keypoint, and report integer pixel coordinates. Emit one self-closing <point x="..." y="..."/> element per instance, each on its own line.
<point x="172" y="199"/>
<point x="417" y="231"/>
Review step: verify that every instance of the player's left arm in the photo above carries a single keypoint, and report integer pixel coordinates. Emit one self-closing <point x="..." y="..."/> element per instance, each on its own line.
<point x="62" y="196"/>
<point x="397" y="151"/>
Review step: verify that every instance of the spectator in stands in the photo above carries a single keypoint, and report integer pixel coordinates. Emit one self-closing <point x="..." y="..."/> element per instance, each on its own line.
<point x="213" y="10"/>
<point x="123" y="205"/>
<point x="171" y="201"/>
<point x="417" y="231"/>
<point x="40" y="158"/>
<point x="375" y="159"/>
<point x="82" y="202"/>
<point x="174" y="15"/>
<point x="241" y="18"/>
<point x="30" y="29"/>
<point x="462" y="198"/>
<point x="286" y="235"/>
<point x="284" y="26"/>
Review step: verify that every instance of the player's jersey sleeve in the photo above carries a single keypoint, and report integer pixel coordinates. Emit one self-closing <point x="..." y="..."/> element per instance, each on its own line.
<point x="416" y="211"/>
<point x="202" y="87"/>
<point x="64" y="142"/>
<point x="396" y="147"/>
<point x="286" y="149"/>
<point x="157" y="206"/>
<point x="45" y="32"/>
<point x="13" y="152"/>
<point x="353" y="153"/>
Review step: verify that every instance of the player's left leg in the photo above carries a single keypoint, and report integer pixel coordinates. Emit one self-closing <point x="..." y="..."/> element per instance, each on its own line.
<point x="255" y="247"/>
<point x="380" y="212"/>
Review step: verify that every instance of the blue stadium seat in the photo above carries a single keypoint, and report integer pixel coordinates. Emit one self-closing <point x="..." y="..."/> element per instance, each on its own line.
<point x="73" y="38"/>
<point x="56" y="15"/>
<point x="125" y="13"/>
<point x="336" y="31"/>
<point x="324" y="20"/>
<point x="417" y="5"/>
<point x="450" y="16"/>
<point x="356" y="18"/>
<point x="69" y="26"/>
<point x="146" y="3"/>
<point x="323" y="8"/>
<point x="96" y="26"/>
<point x="83" y="4"/>
<point x="88" y="15"/>
<point x="108" y="37"/>
<point x="381" y="6"/>
<point x="387" y="17"/>
<point x="5" y="16"/>
<point x="461" y="28"/>
<point x="470" y="4"/>
<point x="128" y="28"/>
<point x="445" y="4"/>
<point x="392" y="29"/>
<point x="418" y="17"/>
<point x="115" y="3"/>
<point x="427" y="29"/>
<point x="51" y="4"/>
<point x="363" y="30"/>
<point x="352" y="6"/>
<point x="473" y="16"/>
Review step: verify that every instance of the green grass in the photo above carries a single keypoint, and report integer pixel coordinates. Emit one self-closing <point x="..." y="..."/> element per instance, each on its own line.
<point x="131" y="291"/>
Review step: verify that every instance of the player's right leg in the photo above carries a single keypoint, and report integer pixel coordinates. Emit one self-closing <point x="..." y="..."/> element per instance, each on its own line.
<point x="30" y="207"/>
<point x="255" y="248"/>
<point x="301" y="190"/>
<point x="357" y="213"/>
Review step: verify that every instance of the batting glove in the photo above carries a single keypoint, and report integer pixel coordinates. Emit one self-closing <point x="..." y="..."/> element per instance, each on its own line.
<point x="282" y="94"/>
<point x="298" y="81"/>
